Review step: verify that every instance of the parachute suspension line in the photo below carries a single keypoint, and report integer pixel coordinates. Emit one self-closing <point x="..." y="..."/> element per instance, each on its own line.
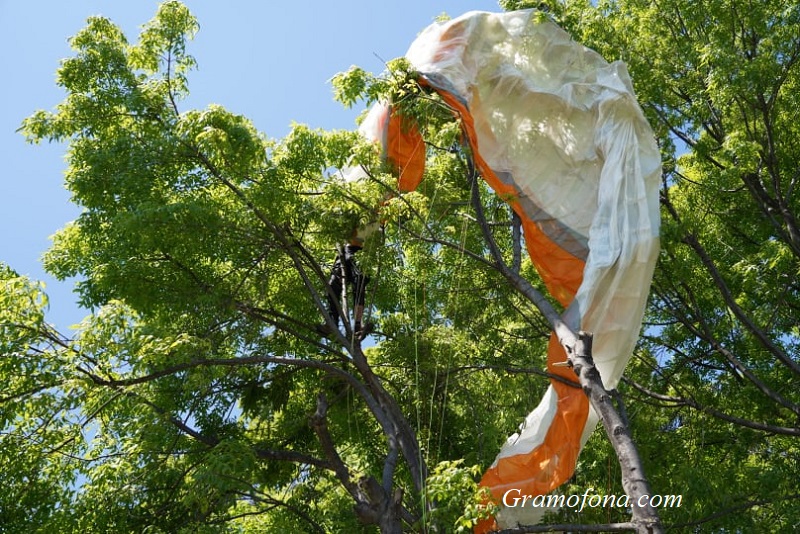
<point x="399" y="246"/>
<point x="417" y="409"/>
<point x="455" y="294"/>
<point x="452" y="298"/>
<point x="353" y="421"/>
<point x="423" y="456"/>
<point x="374" y="290"/>
<point x="432" y="401"/>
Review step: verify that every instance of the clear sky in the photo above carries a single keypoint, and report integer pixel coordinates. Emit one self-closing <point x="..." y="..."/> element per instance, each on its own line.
<point x="269" y="60"/>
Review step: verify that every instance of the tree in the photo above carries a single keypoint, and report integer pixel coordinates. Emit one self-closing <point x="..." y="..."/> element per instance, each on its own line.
<point x="199" y="396"/>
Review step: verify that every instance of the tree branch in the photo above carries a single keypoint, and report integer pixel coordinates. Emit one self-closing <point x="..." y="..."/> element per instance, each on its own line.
<point x="691" y="240"/>
<point x="634" y="480"/>
<point x="734" y="509"/>
<point x="677" y="402"/>
<point x="319" y="423"/>
<point x="375" y="504"/>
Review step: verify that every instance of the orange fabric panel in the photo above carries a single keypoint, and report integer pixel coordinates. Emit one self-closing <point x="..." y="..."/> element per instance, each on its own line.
<point x="405" y="150"/>
<point x="561" y="271"/>
<point x="552" y="463"/>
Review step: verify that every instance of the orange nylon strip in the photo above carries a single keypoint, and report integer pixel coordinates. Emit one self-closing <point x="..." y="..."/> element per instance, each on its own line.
<point x="552" y="463"/>
<point x="405" y="149"/>
<point x="543" y="469"/>
<point x="561" y="271"/>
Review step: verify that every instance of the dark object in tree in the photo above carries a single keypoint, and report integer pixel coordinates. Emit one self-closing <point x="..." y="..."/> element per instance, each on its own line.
<point x="346" y="272"/>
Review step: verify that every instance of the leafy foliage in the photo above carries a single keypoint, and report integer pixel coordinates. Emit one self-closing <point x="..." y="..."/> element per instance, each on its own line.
<point x="447" y="485"/>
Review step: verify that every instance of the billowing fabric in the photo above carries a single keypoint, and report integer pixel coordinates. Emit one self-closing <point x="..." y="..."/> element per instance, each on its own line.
<point x="557" y="131"/>
<point x="402" y="143"/>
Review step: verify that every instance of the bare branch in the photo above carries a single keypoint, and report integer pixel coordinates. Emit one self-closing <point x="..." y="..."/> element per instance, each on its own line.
<point x="725" y="292"/>
<point x="319" y="423"/>
<point x="634" y="480"/>
<point x="734" y="509"/>
<point x="677" y="402"/>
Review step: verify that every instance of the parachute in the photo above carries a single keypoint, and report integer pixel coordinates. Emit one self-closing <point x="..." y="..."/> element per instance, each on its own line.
<point x="556" y="130"/>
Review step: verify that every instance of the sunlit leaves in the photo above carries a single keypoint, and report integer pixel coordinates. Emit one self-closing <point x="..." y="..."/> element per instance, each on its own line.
<point x="447" y="486"/>
<point x="349" y="87"/>
<point x="40" y="390"/>
<point x="225" y="140"/>
<point x="162" y="43"/>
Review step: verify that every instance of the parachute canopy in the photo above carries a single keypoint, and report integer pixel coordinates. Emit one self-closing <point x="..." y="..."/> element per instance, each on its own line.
<point x="556" y="130"/>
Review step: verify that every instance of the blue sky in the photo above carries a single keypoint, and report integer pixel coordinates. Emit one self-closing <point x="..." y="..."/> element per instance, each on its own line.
<point x="270" y="61"/>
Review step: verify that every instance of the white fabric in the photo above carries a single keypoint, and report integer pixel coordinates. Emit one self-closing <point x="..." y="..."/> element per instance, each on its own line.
<point x="566" y="127"/>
